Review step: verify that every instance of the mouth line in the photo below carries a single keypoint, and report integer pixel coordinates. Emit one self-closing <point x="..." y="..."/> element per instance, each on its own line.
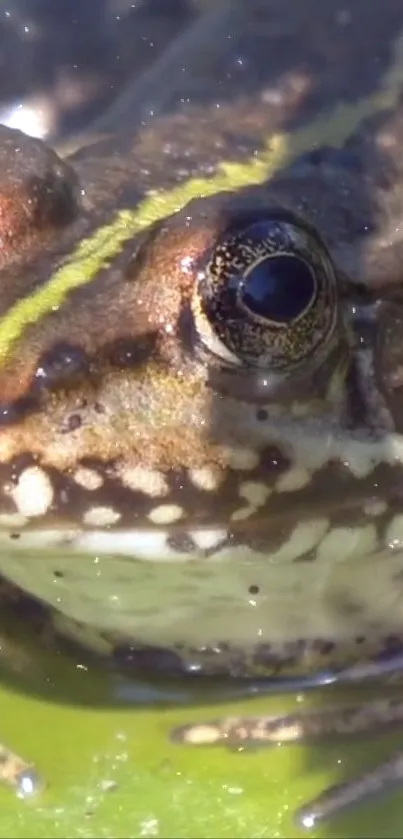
<point x="154" y="544"/>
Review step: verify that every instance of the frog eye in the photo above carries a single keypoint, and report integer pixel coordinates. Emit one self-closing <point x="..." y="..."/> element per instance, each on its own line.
<point x="268" y="294"/>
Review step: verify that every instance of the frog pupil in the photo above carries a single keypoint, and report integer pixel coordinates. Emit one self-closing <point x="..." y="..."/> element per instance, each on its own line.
<point x="278" y="288"/>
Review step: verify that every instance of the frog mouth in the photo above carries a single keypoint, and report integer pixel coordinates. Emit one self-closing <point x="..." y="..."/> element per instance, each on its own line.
<point x="157" y="544"/>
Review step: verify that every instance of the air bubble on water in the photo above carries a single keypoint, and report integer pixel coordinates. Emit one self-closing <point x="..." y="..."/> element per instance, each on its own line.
<point x="308" y="821"/>
<point x="235" y="790"/>
<point x="108" y="785"/>
<point x="28" y="783"/>
<point x="149" y="827"/>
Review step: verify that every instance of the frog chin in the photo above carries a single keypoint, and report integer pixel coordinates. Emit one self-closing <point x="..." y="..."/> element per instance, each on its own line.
<point x="111" y="590"/>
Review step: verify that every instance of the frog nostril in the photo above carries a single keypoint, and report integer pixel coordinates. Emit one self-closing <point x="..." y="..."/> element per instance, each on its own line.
<point x="61" y="366"/>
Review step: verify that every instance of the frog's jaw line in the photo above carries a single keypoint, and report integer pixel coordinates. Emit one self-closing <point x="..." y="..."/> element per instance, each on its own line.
<point x="315" y="537"/>
<point x="142" y="545"/>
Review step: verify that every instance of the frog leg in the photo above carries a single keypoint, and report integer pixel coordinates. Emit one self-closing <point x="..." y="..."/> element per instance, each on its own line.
<point x="389" y="670"/>
<point x="308" y="726"/>
<point x="18" y="774"/>
<point x="337" y="798"/>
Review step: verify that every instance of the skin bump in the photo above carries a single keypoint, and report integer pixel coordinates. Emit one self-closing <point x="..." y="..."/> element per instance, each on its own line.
<point x="207" y="540"/>
<point x="206" y="478"/>
<point x="166" y="514"/>
<point x="375" y="508"/>
<point x="101" y="516"/>
<point x="33" y="493"/>
<point x="88" y="478"/>
<point x="243" y="513"/>
<point x="293" y="480"/>
<point x="242" y="459"/>
<point x="150" y="481"/>
<point x="256" y="494"/>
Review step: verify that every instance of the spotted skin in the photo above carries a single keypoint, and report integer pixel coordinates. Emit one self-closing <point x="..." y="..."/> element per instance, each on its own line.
<point x="182" y="476"/>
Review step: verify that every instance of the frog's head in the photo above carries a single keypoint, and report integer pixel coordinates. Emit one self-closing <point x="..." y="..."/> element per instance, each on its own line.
<point x="206" y="382"/>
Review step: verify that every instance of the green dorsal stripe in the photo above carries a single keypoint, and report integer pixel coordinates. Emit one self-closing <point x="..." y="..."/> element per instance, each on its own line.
<point x="94" y="253"/>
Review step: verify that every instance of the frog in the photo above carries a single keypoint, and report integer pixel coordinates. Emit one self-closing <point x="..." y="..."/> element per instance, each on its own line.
<point x="201" y="435"/>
